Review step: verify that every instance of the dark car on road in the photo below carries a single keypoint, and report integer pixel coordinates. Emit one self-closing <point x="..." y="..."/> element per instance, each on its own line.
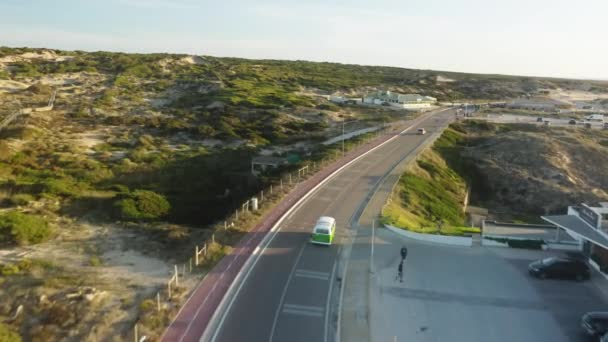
<point x="595" y="323"/>
<point x="565" y="268"/>
<point x="572" y="122"/>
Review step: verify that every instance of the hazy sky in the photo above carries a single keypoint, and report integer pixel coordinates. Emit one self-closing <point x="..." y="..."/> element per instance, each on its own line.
<point x="562" y="38"/>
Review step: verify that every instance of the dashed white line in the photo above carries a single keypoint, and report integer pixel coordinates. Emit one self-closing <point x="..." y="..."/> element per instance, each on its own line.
<point x="312" y="274"/>
<point x="305" y="310"/>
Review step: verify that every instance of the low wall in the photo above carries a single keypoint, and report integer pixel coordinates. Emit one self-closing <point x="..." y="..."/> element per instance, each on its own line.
<point x="492" y="243"/>
<point x="564" y="247"/>
<point x="440" y="239"/>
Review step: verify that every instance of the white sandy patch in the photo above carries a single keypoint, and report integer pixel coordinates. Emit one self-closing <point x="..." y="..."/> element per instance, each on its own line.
<point x="89" y="140"/>
<point x="443" y="79"/>
<point x="576" y="95"/>
<point x="131" y="264"/>
<point x="193" y="60"/>
<point x="7" y="86"/>
<point x="45" y="55"/>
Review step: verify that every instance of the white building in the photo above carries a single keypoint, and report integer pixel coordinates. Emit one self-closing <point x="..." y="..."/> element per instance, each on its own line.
<point x="344" y="99"/>
<point x="409" y="101"/>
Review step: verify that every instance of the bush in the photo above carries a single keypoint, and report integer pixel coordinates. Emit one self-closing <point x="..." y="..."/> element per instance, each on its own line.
<point x="21" y="199"/>
<point x="95" y="261"/>
<point x="23" y="229"/>
<point x="142" y="205"/>
<point x="7" y="334"/>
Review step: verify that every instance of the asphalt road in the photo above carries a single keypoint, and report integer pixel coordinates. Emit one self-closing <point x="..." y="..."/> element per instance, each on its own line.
<point x="474" y="294"/>
<point x="286" y="297"/>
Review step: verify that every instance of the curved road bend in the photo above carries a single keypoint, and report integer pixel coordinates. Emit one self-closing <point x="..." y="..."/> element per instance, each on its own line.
<point x="286" y="296"/>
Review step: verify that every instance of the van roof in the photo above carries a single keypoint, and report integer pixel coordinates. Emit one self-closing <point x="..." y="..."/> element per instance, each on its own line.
<point x="326" y="219"/>
<point x="325" y="222"/>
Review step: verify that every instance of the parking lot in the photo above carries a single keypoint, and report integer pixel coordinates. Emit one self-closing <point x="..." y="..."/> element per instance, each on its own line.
<point x="474" y="294"/>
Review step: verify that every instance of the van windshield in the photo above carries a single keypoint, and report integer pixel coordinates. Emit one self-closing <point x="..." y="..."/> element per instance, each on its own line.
<point x="323" y="231"/>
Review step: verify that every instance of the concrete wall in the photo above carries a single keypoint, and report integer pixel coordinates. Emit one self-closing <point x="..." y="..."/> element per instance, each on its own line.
<point x="440" y="239"/>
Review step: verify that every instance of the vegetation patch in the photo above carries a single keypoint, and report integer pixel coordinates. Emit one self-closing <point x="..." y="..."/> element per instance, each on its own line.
<point x="23" y="229"/>
<point x="142" y="205"/>
<point x="429" y="197"/>
<point x="7" y="334"/>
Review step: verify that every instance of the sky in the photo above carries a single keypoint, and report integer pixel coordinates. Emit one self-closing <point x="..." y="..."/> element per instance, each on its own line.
<point x="558" y="38"/>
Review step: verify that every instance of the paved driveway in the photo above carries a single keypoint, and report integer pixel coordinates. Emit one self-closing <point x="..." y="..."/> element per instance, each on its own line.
<point x="473" y="294"/>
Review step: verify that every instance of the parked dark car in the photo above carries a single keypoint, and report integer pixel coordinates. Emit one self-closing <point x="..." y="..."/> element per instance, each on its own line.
<point x="572" y="122"/>
<point x="539" y="119"/>
<point x="565" y="268"/>
<point x="595" y="323"/>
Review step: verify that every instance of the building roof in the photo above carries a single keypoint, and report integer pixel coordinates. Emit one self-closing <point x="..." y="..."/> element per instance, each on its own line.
<point x="574" y="224"/>
<point x="389" y="95"/>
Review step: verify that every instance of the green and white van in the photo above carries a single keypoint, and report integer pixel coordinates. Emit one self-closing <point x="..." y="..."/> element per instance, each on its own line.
<point x="324" y="231"/>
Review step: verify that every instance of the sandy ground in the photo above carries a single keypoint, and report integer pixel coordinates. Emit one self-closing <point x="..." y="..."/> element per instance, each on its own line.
<point x="443" y="79"/>
<point x="7" y="86"/>
<point x="576" y="95"/>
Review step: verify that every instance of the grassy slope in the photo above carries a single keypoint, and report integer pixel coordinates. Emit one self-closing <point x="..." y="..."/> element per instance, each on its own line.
<point x="431" y="192"/>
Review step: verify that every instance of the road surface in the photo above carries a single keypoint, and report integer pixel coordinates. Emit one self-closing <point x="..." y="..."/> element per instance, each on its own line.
<point x="289" y="293"/>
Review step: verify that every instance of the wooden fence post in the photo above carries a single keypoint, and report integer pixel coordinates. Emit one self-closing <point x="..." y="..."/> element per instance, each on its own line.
<point x="196" y="255"/>
<point x="135" y="337"/>
<point x="158" y="301"/>
<point x="262" y="196"/>
<point x="176" y="276"/>
<point x="213" y="238"/>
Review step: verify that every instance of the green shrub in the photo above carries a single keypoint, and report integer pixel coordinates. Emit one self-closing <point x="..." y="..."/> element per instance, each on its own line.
<point x="21" y="199"/>
<point x="23" y="229"/>
<point x="7" y="334"/>
<point x="95" y="261"/>
<point x="142" y="205"/>
<point x="62" y="187"/>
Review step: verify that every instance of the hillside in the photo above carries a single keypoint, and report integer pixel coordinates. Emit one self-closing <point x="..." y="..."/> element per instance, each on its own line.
<point x="515" y="171"/>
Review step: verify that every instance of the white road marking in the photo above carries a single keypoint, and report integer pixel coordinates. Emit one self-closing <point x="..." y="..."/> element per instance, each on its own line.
<point x="305" y="310"/>
<point x="331" y="285"/>
<point x="312" y="274"/>
<point x="276" y="314"/>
